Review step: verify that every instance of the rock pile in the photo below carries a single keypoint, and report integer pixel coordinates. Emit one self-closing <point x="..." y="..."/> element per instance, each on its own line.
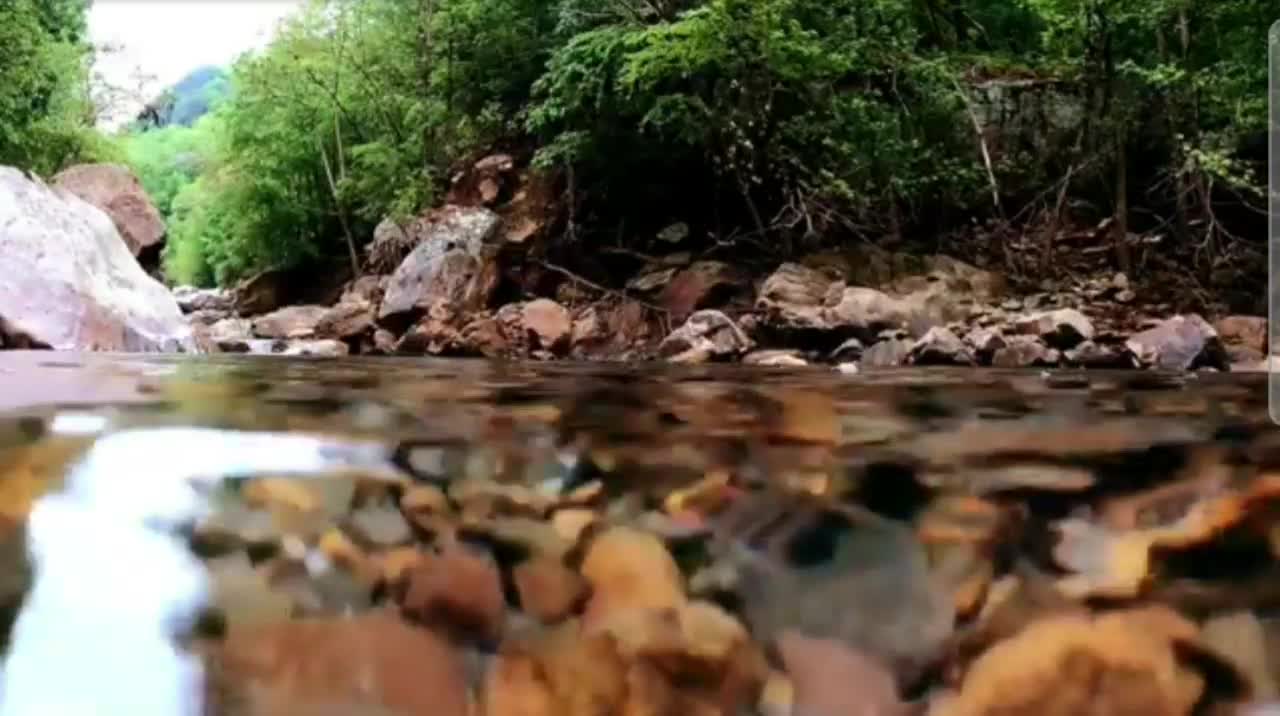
<point x="445" y="297"/>
<point x="467" y="279"/>
<point x="959" y="318"/>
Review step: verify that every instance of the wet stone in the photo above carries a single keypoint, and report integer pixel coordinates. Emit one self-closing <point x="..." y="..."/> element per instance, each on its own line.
<point x="890" y="353"/>
<point x="520" y="534"/>
<point x="1245" y="337"/>
<point x="892" y="608"/>
<point x="243" y="595"/>
<point x="1092" y="355"/>
<point x="558" y="674"/>
<point x="960" y="519"/>
<point x="570" y="523"/>
<point x="235" y="525"/>
<point x="939" y="346"/>
<point x="486" y="494"/>
<point x="549" y="591"/>
<point x="559" y="539"/>
<point x="710" y="333"/>
<point x="1063" y="329"/>
<point x="829" y="677"/>
<point x="395" y="564"/>
<point x="965" y="572"/>
<point x="775" y="358"/>
<point x="1179" y="343"/>
<point x="630" y="569"/>
<point x="1101" y="562"/>
<point x="984" y="481"/>
<point x="1238" y="638"/>
<point x="984" y="342"/>
<point x="318" y="591"/>
<point x="1024" y="352"/>
<point x="344" y="554"/>
<point x="1127" y="661"/>
<point x="381" y="525"/>
<point x="850" y="350"/>
<point x="424" y="498"/>
<point x="366" y="665"/>
<point x="458" y="591"/>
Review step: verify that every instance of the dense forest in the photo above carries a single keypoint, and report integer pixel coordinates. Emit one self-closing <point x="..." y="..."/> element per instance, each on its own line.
<point x="46" y="114"/>
<point x="771" y="126"/>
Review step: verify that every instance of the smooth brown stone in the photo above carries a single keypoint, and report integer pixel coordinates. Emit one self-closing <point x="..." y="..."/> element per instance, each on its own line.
<point x="549" y="591"/>
<point x="373" y="664"/>
<point x="459" y="591"/>
<point x="829" y="677"/>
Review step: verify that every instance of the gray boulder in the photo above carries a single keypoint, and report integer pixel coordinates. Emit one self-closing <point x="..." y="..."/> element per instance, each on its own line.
<point x="1179" y="343"/>
<point x="454" y="261"/>
<point x="707" y="335"/>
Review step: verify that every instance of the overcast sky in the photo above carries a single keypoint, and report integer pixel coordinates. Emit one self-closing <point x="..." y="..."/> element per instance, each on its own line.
<point x="166" y="39"/>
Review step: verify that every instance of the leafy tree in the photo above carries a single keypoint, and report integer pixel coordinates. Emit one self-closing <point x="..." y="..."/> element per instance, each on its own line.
<point x="189" y="99"/>
<point x="1174" y="88"/>
<point x="769" y="121"/>
<point x="353" y="113"/>
<point x="45" y="113"/>
<point x="788" y="104"/>
<point x="167" y="160"/>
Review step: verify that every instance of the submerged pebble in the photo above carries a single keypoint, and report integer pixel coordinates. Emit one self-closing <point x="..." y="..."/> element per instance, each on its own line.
<point x="803" y="545"/>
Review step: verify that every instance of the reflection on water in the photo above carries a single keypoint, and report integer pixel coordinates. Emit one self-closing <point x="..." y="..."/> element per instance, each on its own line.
<point x="273" y="536"/>
<point x="127" y="501"/>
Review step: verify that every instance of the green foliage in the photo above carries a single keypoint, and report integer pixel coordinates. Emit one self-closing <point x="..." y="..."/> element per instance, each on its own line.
<point x="189" y="99"/>
<point x="167" y="160"/>
<point x="785" y="101"/>
<point x="1183" y="79"/>
<point x="45" y="113"/>
<point x="781" y="117"/>
<point x="355" y="112"/>
<point x="196" y="231"/>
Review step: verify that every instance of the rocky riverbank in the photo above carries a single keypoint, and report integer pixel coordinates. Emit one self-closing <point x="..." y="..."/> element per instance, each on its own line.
<point x="479" y="277"/>
<point x="948" y="314"/>
<point x="472" y="279"/>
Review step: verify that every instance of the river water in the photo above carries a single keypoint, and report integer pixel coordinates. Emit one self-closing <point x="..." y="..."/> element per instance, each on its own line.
<point x="154" y="510"/>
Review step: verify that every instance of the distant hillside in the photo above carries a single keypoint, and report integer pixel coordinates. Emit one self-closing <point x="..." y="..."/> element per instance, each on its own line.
<point x="187" y="100"/>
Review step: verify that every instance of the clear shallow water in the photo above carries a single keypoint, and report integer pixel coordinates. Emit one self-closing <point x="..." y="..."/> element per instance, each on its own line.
<point x="108" y="464"/>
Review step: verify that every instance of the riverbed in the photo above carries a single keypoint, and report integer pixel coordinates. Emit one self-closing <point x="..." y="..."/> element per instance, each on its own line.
<point x="269" y="535"/>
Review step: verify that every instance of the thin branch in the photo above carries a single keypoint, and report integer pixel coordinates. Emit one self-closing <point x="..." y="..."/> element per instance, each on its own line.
<point x="1056" y="185"/>
<point x="342" y="216"/>
<point x="663" y="313"/>
<point x="982" y="144"/>
<point x="622" y="251"/>
<point x="337" y="138"/>
<point x="337" y="85"/>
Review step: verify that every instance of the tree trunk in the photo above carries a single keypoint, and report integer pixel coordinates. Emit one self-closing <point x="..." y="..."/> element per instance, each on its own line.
<point x="1121" y="225"/>
<point x="1170" y="106"/>
<point x="342" y="216"/>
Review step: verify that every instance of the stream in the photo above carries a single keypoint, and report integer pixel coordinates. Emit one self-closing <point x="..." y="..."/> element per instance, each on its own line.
<point x="168" y="524"/>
